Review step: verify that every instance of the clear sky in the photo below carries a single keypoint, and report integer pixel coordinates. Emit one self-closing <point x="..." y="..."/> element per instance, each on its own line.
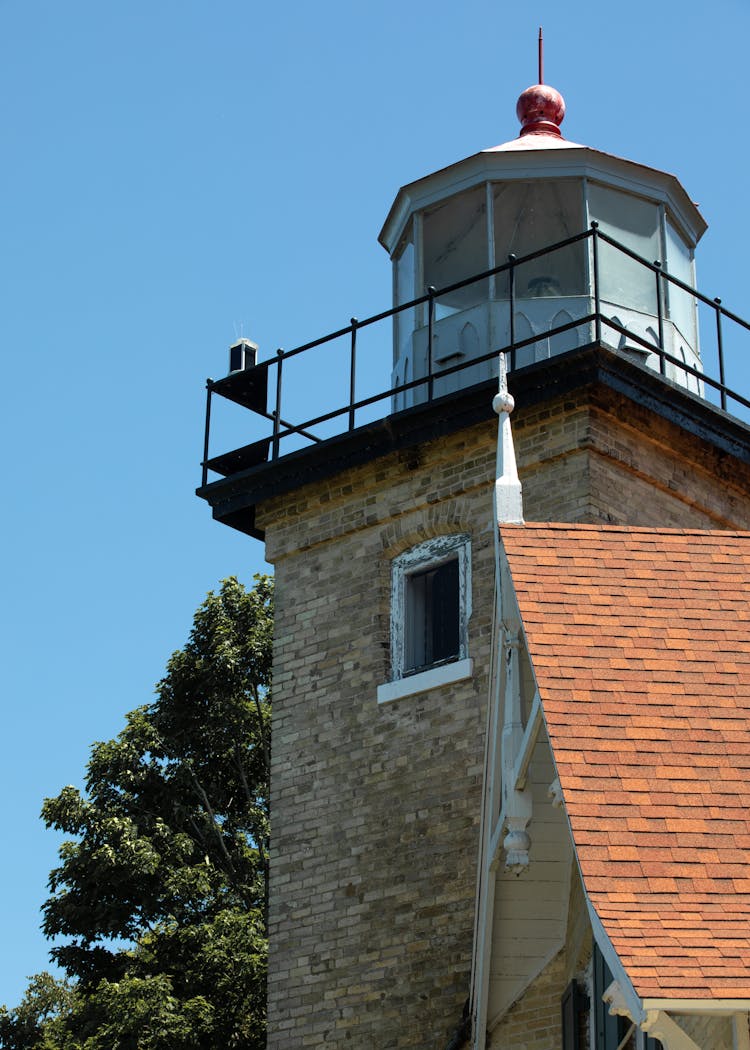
<point x="178" y="172"/>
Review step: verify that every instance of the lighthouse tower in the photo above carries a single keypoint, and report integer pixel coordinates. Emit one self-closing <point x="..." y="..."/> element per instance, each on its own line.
<point x="579" y="266"/>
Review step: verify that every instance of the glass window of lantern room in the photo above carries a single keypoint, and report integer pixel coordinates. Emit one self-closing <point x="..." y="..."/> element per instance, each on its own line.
<point x="635" y="223"/>
<point x="454" y="247"/>
<point x="529" y="216"/>
<point x="403" y="292"/>
<point x="681" y="303"/>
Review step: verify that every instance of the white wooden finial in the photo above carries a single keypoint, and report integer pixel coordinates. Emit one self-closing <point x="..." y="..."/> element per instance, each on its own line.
<point x="508" y="500"/>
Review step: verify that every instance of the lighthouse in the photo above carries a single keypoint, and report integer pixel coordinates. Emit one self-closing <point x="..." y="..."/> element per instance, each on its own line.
<point x="579" y="267"/>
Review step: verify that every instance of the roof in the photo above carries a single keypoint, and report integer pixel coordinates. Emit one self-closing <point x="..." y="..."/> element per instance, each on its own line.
<point x="534" y="157"/>
<point x="640" y="642"/>
<point x="533" y="142"/>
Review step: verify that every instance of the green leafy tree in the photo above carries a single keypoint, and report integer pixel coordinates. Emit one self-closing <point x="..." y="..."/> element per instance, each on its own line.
<point x="158" y="908"/>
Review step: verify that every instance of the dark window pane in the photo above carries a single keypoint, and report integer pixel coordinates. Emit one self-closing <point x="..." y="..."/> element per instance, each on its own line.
<point x="607" y="1028"/>
<point x="570" y="1026"/>
<point x="445" y="612"/>
<point x="454" y="239"/>
<point x="432" y="620"/>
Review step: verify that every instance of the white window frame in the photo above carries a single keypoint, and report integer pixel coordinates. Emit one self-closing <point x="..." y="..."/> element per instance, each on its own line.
<point x="429" y="554"/>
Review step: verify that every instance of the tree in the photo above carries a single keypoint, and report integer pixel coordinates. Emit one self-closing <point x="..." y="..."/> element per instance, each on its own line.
<point x="158" y="907"/>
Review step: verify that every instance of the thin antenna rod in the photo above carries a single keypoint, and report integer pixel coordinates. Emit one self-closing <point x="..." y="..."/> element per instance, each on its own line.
<point x="541" y="57"/>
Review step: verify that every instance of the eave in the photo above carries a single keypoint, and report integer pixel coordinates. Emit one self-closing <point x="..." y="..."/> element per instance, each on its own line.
<point x="502" y="164"/>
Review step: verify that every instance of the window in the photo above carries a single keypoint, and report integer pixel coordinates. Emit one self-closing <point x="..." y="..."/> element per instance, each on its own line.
<point x="454" y="247"/>
<point x="575" y="1007"/>
<point x="634" y="222"/>
<point x="430" y="610"/>
<point x="530" y="216"/>
<point x="432" y="633"/>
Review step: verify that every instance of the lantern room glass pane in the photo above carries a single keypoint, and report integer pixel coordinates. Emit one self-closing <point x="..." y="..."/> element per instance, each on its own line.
<point x="454" y="247"/>
<point x="681" y="304"/>
<point x="404" y="280"/>
<point x="531" y="216"/>
<point x="634" y="222"/>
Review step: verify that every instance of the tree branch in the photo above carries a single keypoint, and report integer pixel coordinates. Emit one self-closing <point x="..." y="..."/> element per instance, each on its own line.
<point x="262" y="729"/>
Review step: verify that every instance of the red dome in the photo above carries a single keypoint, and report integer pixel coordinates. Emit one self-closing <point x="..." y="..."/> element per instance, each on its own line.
<point x="541" y="110"/>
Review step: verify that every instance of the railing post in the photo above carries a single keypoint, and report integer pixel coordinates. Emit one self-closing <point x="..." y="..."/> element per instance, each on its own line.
<point x="430" y="326"/>
<point x="720" y="348"/>
<point x="660" y="316"/>
<point x="206" y="432"/>
<point x="277" y="413"/>
<point x="353" y="373"/>
<point x="512" y="305"/>
<point x="597" y="294"/>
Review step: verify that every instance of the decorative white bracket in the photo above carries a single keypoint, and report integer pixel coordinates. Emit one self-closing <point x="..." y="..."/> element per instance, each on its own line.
<point x="526" y="747"/>
<point x="618" y="1003"/>
<point x="517" y="842"/>
<point x="517" y="804"/>
<point x="555" y="793"/>
<point x="661" y="1026"/>
<point x="656" y="1023"/>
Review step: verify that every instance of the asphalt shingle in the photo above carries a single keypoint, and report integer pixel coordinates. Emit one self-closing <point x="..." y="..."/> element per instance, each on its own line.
<point x="640" y="641"/>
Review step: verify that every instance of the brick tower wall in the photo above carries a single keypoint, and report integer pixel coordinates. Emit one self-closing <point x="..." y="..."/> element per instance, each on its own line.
<point x="375" y="808"/>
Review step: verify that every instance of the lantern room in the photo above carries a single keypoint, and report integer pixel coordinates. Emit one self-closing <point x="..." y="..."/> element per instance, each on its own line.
<point x="525" y="244"/>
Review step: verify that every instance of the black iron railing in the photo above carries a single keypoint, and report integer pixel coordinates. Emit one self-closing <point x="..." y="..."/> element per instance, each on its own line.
<point x="251" y="388"/>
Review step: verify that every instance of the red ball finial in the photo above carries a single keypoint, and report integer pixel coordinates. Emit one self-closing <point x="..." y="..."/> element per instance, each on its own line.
<point x="541" y="110"/>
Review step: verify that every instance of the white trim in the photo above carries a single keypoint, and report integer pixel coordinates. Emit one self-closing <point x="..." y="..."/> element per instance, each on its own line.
<point x="528" y="743"/>
<point x="432" y="678"/>
<point x="740" y="1034"/>
<point x="496" y="838"/>
<point x="573" y="161"/>
<point x="698" y="1006"/>
<point x="508" y="497"/>
<point x="635" y="1008"/>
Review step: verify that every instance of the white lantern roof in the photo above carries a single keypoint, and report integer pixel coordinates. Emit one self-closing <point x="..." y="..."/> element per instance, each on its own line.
<point x="540" y="152"/>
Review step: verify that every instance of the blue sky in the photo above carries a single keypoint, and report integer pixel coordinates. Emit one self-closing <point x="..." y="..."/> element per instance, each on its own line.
<point x="176" y="173"/>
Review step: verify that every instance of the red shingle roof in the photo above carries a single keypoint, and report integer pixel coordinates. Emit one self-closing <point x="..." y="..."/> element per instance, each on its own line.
<point x="640" y="641"/>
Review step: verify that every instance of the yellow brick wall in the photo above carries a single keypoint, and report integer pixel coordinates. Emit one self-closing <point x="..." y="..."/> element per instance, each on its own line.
<point x="375" y="808"/>
<point x="600" y="458"/>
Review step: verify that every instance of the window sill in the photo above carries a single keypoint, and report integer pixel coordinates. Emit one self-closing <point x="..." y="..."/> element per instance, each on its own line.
<point x="430" y="679"/>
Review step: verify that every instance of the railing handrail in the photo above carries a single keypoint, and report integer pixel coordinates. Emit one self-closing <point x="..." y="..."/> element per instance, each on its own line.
<point x="282" y="428"/>
<point x="520" y="260"/>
